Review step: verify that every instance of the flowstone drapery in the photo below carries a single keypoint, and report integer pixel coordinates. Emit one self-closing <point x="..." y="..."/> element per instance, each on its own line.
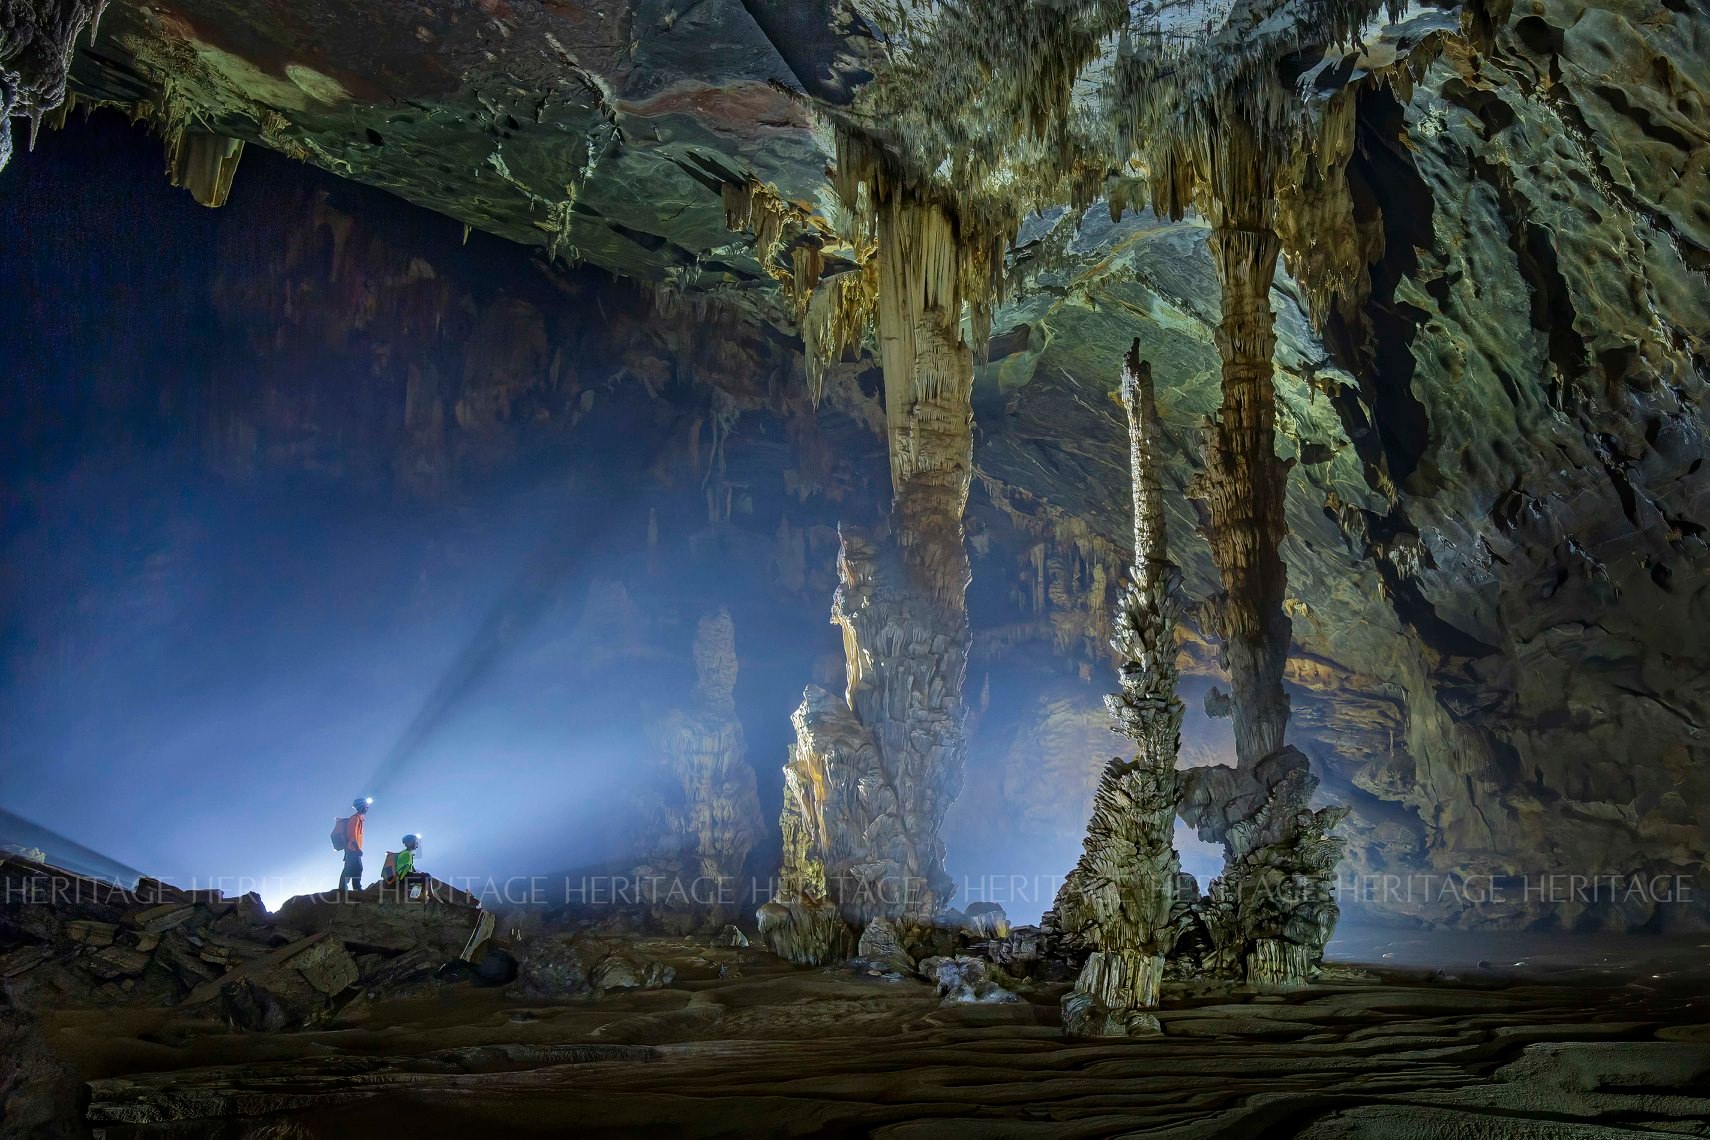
<point x="1126" y="899"/>
<point x="872" y="772"/>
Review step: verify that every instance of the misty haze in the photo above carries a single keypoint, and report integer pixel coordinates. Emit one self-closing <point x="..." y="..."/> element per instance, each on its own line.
<point x="793" y="568"/>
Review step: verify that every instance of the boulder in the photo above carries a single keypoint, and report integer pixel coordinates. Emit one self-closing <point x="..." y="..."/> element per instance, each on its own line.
<point x="90" y="932"/>
<point x="157" y="919"/>
<point x="549" y="967"/>
<point x="806" y="932"/>
<point x="24" y="959"/>
<point x="560" y="966"/>
<point x="623" y="971"/>
<point x="730" y="937"/>
<point x="881" y="950"/>
<point x="115" y="962"/>
<point x="944" y="937"/>
<point x="1084" y="1016"/>
<point x="963" y="979"/>
<point x="297" y="985"/>
<point x="985" y="920"/>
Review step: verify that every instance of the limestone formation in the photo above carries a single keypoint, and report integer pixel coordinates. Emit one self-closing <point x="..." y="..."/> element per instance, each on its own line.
<point x="36" y="41"/>
<point x="1123" y="902"/>
<point x="1245" y="482"/>
<point x="872" y="773"/>
<point x="1270" y="913"/>
<point x="1489" y="359"/>
<point x="707" y="816"/>
<point x="78" y="943"/>
<point x="1225" y="152"/>
<point x="203" y="163"/>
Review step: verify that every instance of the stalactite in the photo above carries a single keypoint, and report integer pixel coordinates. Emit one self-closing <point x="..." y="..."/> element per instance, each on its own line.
<point x="757" y="208"/>
<point x="832" y="312"/>
<point x="203" y="163"/>
<point x="1325" y="246"/>
<point x="1245" y="482"/>
<point x="36" y="41"/>
<point x="838" y="314"/>
<point x="1125" y="899"/>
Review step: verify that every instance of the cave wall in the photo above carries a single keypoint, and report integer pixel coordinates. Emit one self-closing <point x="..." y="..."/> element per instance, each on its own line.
<point x="1496" y="557"/>
<point x="1496" y="512"/>
<point x="319" y="349"/>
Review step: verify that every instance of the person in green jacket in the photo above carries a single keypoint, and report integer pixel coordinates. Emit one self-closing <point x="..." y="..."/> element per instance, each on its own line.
<point x="405" y="863"/>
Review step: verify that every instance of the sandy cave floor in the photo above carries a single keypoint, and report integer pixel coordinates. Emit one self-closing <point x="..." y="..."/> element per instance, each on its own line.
<point x="776" y="1051"/>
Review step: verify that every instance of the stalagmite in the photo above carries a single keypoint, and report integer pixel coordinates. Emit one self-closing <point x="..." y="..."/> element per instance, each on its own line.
<point x="708" y="816"/>
<point x="1125" y="899"/>
<point x="872" y="773"/>
<point x="36" y="41"/>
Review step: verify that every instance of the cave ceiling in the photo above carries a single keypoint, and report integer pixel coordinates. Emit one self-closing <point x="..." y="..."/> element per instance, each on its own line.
<point x="601" y="131"/>
<point x="1498" y="506"/>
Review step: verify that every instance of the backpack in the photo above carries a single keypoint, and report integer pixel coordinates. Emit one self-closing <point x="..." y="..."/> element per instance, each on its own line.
<point x="340" y="832"/>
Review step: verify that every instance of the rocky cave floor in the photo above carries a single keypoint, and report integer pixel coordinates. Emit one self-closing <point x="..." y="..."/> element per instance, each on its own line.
<point x="742" y="1044"/>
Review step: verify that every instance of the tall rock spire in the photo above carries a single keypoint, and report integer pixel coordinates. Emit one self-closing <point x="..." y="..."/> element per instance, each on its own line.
<point x="1122" y="901"/>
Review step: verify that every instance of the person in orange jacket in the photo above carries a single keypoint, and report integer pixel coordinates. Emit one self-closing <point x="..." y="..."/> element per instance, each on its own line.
<point x="349" y="830"/>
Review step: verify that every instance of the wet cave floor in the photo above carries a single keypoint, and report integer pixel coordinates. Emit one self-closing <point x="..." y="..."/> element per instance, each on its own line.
<point x="770" y="1050"/>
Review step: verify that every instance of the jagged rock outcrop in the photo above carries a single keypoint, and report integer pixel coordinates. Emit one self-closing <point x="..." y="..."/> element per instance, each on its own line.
<point x="68" y="942"/>
<point x="1124" y="901"/>
<point x="442" y="919"/>
<point x="708" y="816"/>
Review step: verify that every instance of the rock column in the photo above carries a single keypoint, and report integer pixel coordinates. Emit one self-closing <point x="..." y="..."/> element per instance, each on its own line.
<point x="1122" y="901"/>
<point x="1245" y="483"/>
<point x="708" y="817"/>
<point x="1273" y="909"/>
<point x="873" y="771"/>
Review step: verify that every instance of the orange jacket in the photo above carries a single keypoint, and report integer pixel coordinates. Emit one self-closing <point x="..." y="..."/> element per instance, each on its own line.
<point x="353" y="833"/>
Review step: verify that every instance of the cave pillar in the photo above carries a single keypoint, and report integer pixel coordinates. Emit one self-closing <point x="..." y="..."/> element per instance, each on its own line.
<point x="1245" y="484"/>
<point x="707" y="816"/>
<point x="1271" y="912"/>
<point x="1123" y="901"/>
<point x="874" y="769"/>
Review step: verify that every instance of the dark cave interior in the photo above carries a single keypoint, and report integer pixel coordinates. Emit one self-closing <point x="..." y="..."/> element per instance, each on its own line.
<point x="979" y="568"/>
